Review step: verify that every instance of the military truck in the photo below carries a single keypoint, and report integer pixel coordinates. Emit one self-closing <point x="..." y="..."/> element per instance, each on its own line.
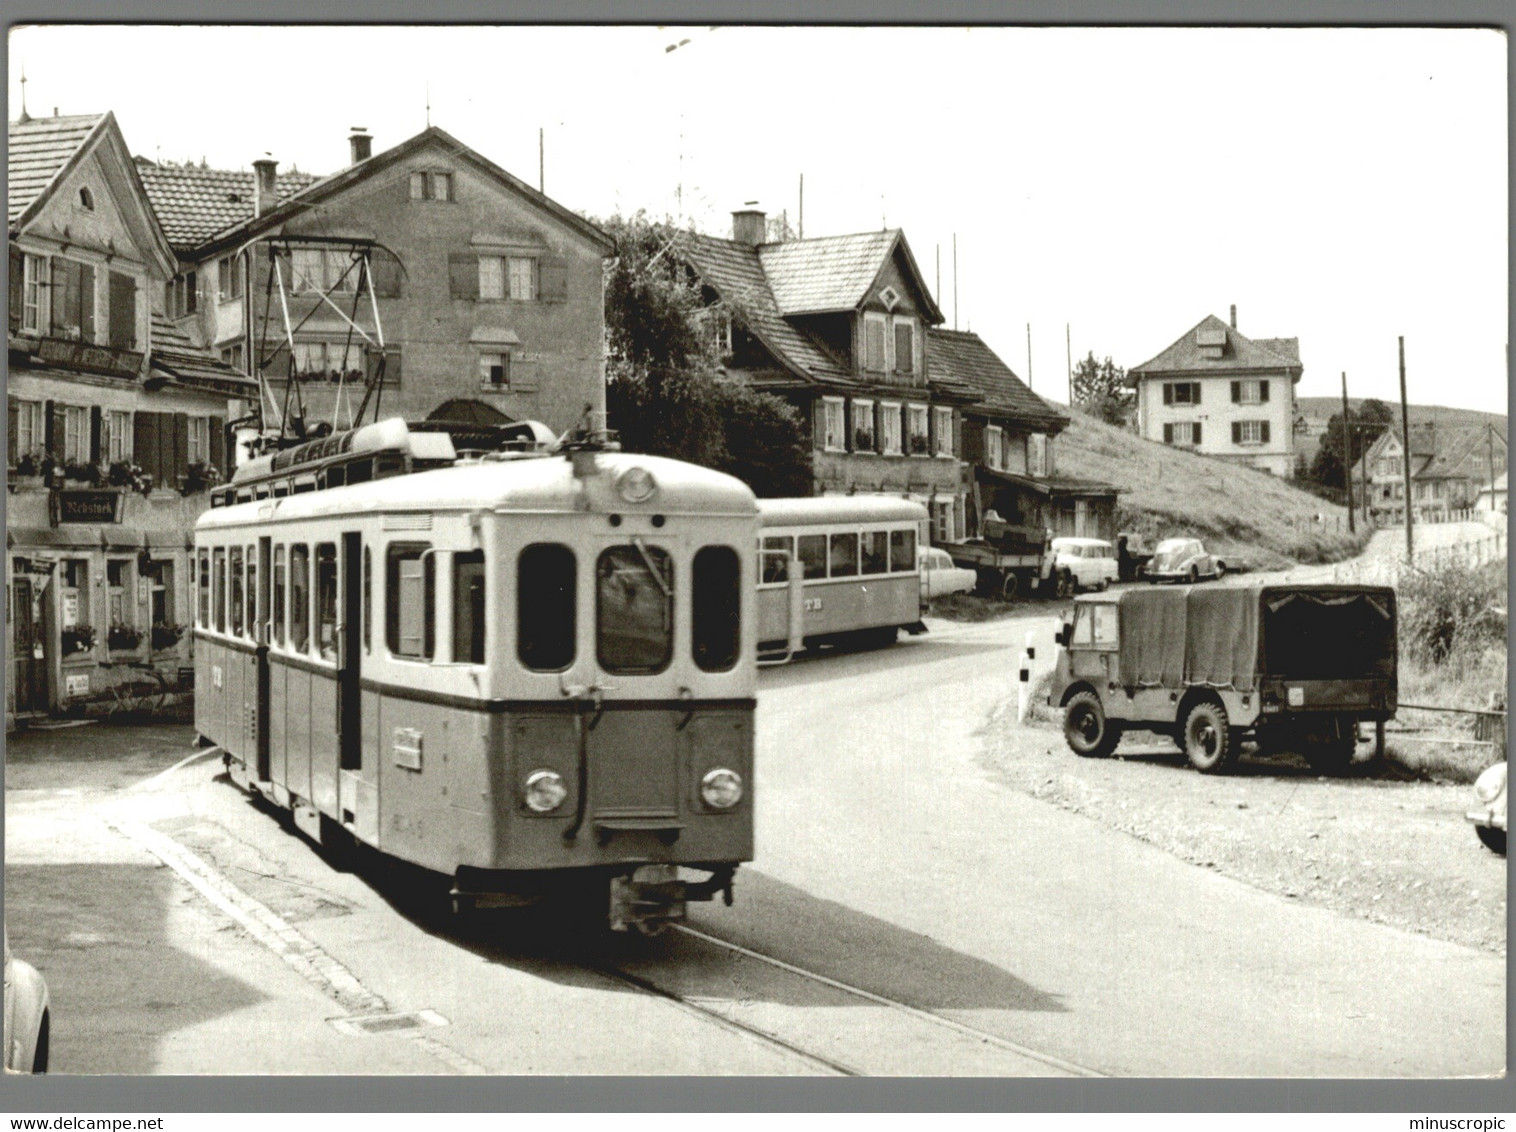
<point x="1288" y="667"/>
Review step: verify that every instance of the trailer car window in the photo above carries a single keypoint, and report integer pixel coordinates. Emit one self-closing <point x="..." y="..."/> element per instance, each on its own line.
<point x="813" y="555"/>
<point x="368" y="594"/>
<point x="278" y="611"/>
<point x="876" y="555"/>
<point x="218" y="599"/>
<point x="235" y="600"/>
<point x="844" y="559"/>
<point x="902" y="551"/>
<point x="409" y="593"/>
<point x="205" y="589"/>
<point x="546" y="622"/>
<point x="634" y="609"/>
<point x="252" y="592"/>
<point x="300" y="583"/>
<point x="717" y="593"/>
<point x="326" y="600"/>
<point x="775" y="567"/>
<point x="468" y="607"/>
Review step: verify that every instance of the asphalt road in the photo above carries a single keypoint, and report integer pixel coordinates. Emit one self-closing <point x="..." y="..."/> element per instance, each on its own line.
<point x="908" y="913"/>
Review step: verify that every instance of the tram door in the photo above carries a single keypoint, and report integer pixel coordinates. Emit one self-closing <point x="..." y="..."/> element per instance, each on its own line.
<point x="349" y="653"/>
<point x="260" y="631"/>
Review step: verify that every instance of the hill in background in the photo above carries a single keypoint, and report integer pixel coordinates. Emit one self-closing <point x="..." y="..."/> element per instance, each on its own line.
<point x="1240" y="513"/>
<point x="1316" y="411"/>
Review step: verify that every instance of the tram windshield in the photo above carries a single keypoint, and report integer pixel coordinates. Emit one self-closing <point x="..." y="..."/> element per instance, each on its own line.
<point x="634" y="607"/>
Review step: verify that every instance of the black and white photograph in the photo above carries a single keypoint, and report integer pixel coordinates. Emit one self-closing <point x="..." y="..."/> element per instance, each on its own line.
<point x="720" y="551"/>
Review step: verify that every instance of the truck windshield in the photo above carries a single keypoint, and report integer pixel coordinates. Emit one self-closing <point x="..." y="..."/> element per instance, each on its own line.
<point x="1329" y="636"/>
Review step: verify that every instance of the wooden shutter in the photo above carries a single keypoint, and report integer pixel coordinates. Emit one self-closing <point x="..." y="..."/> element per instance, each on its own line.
<point x="1195" y="433"/>
<point x="56" y="430"/>
<point x="1263" y="391"/>
<point x="123" y="311"/>
<point x="1195" y="393"/>
<point x="552" y="279"/>
<point x="1168" y="432"/>
<point x="1236" y="429"/>
<point x="181" y="444"/>
<point x="217" y="430"/>
<point x="1168" y="393"/>
<point x="1265" y="432"/>
<point x="12" y="431"/>
<point x="17" y="274"/>
<point x="86" y="279"/>
<point x="97" y="447"/>
<point x="144" y="444"/>
<point x="463" y="275"/>
<point x="1236" y="392"/>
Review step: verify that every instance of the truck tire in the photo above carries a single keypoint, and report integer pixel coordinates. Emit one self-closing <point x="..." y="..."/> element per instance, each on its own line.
<point x="1009" y="585"/>
<point x="1207" y="738"/>
<point x="1087" y="731"/>
<point x="1063" y="586"/>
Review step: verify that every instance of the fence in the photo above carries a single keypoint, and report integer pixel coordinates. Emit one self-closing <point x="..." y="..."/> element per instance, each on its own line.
<point x="1387" y="571"/>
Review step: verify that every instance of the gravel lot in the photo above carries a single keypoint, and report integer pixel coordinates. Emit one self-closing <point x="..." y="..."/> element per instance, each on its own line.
<point x="1372" y="844"/>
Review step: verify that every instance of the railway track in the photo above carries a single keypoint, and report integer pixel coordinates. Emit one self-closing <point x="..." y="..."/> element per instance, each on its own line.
<point x="829" y="1025"/>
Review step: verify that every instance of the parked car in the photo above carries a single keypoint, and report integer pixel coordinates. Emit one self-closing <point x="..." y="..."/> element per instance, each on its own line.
<point x="26" y="1016"/>
<point x="1091" y="562"/>
<point x="939" y="576"/>
<point x="1489" y="816"/>
<point x="1183" y="560"/>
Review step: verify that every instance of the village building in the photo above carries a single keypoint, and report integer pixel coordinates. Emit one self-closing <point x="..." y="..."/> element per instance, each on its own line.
<point x="477" y="298"/>
<point x="1492" y="497"/>
<point x="1008" y="448"/>
<point x="837" y="326"/>
<point x="1450" y="464"/>
<point x="115" y="426"/>
<point x="1219" y="393"/>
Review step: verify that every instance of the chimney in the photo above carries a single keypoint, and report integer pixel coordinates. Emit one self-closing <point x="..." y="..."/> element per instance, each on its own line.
<point x="268" y="193"/>
<point x="1234" y="316"/>
<point x="748" y="225"/>
<point x="361" y="143"/>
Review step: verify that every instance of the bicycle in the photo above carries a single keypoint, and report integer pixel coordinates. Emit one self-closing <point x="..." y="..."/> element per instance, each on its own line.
<point x="139" y="689"/>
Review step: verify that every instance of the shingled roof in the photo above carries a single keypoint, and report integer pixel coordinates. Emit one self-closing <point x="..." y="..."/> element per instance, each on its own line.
<point x="175" y="357"/>
<point x="194" y="203"/>
<point x="39" y="150"/>
<point x="962" y="356"/>
<point x="1211" y="346"/>
<point x="832" y="273"/>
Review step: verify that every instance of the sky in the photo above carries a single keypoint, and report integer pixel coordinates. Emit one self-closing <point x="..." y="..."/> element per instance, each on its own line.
<point x="1106" y="187"/>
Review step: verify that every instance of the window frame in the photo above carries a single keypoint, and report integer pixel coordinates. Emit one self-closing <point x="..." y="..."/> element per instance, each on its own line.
<point x="993" y="446"/>
<point x="485" y="380"/>
<point x="462" y="570"/>
<point x="76" y="430"/>
<point x="278" y="614"/>
<point x="942" y="442"/>
<point x="649" y="556"/>
<point x="727" y="612"/>
<point x="890" y="414"/>
<point x="118" y="435"/>
<point x="300" y="597"/>
<point x="864" y="407"/>
<point x="534" y="601"/>
<point x="326" y="594"/>
<point x="396" y="553"/>
<point x="897" y="324"/>
<point x="31" y="428"/>
<point x="913" y="413"/>
<point x="828" y="404"/>
<point x="36" y="278"/>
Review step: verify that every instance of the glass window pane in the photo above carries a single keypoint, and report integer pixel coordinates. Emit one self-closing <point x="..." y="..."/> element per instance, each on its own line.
<point x="408" y="597"/>
<point x="468" y="607"/>
<point x="844" y="556"/>
<point x="1082" y="636"/>
<point x="368" y="593"/>
<point x="546" y="607"/>
<point x="775" y="567"/>
<point x="300" y="582"/>
<point x="205" y="589"/>
<point x="902" y="551"/>
<point x="1105" y="626"/>
<point x="278" y="611"/>
<point x="634" y="609"/>
<point x="717" y="599"/>
<point x="876" y="556"/>
<point x="235" y="601"/>
<point x="491" y="277"/>
<point x="813" y="555"/>
<point x="326" y="600"/>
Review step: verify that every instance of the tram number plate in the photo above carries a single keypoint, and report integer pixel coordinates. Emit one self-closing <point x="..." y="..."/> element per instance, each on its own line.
<point x="813" y="605"/>
<point x="407" y="748"/>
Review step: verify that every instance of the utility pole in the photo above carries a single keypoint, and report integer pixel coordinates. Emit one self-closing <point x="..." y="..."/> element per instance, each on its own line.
<point x="955" y="280"/>
<point x="1347" y="453"/>
<point x="1068" y="353"/>
<point x="541" y="164"/>
<point x="1405" y="444"/>
<point x="1029" y="355"/>
<point x="801" y="233"/>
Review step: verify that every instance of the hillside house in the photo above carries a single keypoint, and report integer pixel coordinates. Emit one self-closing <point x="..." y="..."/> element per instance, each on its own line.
<point x="1450" y="464"/>
<point x="1492" y="497"/>
<point x="114" y="422"/>
<point x="1008" y="448"/>
<point x="838" y="327"/>
<point x="1222" y="394"/>
<point x="482" y="296"/>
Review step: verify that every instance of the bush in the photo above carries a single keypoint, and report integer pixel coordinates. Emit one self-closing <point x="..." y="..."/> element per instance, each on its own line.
<point x="1451" y="610"/>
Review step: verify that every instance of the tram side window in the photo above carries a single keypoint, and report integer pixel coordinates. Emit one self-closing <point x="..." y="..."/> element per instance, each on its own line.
<point x="278" y="595"/>
<point x="326" y="600"/>
<point x="252" y="592"/>
<point x="235" y="600"/>
<point x="717" y="593"/>
<point x="368" y="594"/>
<point x="300" y="584"/>
<point x="468" y="607"/>
<point x="774" y="567"/>
<point x="205" y="589"/>
<point x="813" y="555"/>
<point x="903" y="551"/>
<point x="634" y="609"/>
<point x="546" y="607"/>
<point x="876" y="556"/>
<point x="219" y="600"/>
<point x="409" y="589"/>
<point x="844" y="555"/>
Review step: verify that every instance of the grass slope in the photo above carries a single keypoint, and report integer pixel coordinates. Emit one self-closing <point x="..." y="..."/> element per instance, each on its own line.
<point x="1239" y="513"/>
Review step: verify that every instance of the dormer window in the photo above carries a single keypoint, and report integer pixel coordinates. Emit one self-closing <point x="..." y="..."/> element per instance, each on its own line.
<point x="86" y="199"/>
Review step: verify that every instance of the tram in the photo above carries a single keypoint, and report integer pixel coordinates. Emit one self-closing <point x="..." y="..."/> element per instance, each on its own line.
<point x="860" y="573"/>
<point x="531" y="670"/>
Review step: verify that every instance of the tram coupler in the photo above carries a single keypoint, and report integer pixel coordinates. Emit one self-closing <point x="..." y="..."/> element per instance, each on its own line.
<point x="649" y="900"/>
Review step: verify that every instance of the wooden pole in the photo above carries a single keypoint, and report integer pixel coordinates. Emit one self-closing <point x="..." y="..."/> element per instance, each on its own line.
<point x="1347" y="450"/>
<point x="801" y="221"/>
<point x="541" y="163"/>
<point x="955" y="280"/>
<point x="1405" y="443"/>
<point x="1029" y="355"/>
<point x="1068" y="354"/>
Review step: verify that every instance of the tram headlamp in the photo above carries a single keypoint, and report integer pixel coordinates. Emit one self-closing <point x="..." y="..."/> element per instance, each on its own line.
<point x="545" y="791"/>
<point x="636" y="485"/>
<point x="721" y="789"/>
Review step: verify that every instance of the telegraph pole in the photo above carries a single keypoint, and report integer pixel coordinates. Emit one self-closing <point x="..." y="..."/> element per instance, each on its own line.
<point x="1347" y="450"/>
<point x="1029" y="355"/>
<point x="1405" y="444"/>
<point x="1068" y="354"/>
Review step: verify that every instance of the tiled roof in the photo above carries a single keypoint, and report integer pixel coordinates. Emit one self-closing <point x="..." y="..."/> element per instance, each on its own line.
<point x="832" y="273"/>
<point x="734" y="271"/>
<point x="1233" y="353"/>
<point x="193" y="204"/>
<point x="38" y="149"/>
<point x="1458" y="451"/>
<point x="962" y="356"/>
<point x="175" y="356"/>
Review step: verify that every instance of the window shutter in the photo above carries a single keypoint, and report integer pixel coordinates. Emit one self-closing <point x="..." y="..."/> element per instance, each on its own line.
<point x="1168" y="430"/>
<point x="463" y="275"/>
<point x="1236" y="392"/>
<point x="96" y="447"/>
<point x="86" y="278"/>
<point x="1236" y="429"/>
<point x="1195" y="434"/>
<point x="1195" y="393"/>
<point x="165" y="449"/>
<point x="218" y="445"/>
<point x="181" y="444"/>
<point x="1265" y="432"/>
<point x="552" y="279"/>
<point x="55" y="430"/>
<point x="849" y="423"/>
<point x="144" y="445"/>
<point x="1263" y="391"/>
<point x="17" y="269"/>
<point x="123" y="311"/>
<point x="12" y="431"/>
<point x="1168" y="393"/>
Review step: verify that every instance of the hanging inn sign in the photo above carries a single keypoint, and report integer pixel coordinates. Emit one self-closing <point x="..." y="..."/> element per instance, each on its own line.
<point x="85" y="507"/>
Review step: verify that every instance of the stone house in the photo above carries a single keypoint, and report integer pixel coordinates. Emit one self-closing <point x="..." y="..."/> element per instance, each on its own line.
<point x="1450" y="464"/>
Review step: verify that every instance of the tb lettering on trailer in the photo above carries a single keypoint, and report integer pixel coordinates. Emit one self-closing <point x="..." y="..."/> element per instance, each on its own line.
<point x="812" y="605"/>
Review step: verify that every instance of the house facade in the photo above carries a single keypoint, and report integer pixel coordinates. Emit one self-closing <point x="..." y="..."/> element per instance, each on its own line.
<point x="479" y="297"/>
<point x="838" y="326"/>
<point x="1450" y="465"/>
<point x="1222" y="394"/>
<point x="114" y="424"/>
<point x="1008" y="448"/>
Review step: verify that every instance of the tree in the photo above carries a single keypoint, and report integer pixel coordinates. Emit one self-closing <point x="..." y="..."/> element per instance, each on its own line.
<point x="1342" y="446"/>
<point x="665" y="392"/>
<point x="1100" y="390"/>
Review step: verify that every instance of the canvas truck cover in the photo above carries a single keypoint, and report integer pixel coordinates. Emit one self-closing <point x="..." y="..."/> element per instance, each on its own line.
<point x="1329" y="632"/>
<point x="1153" y="638"/>
<point x="1221" y="631"/>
